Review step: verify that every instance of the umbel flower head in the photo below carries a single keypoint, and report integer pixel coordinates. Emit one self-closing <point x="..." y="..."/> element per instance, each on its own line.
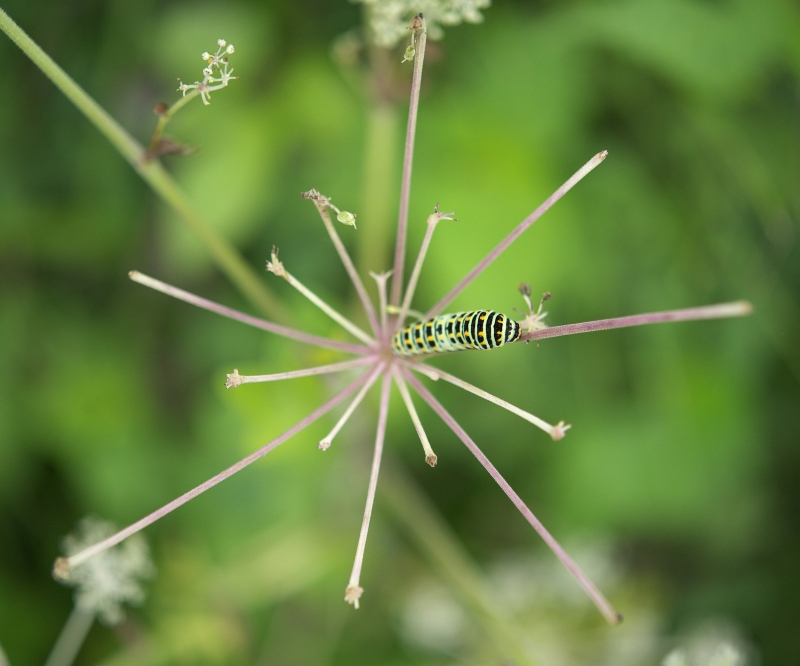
<point x="112" y="578"/>
<point x="216" y="74"/>
<point x="388" y="19"/>
<point x="395" y="353"/>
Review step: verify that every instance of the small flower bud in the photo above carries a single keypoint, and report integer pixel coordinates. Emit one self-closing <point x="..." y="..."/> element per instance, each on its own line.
<point x="229" y="50"/>
<point x="409" y="54"/>
<point x="347" y="218"/>
<point x="205" y="55"/>
<point x="207" y="71"/>
<point x="221" y="43"/>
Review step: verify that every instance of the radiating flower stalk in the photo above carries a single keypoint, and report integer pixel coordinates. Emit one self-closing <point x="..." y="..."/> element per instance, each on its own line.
<point x="375" y="360"/>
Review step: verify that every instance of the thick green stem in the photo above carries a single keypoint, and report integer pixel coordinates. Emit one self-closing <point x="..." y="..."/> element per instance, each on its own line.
<point x="378" y="198"/>
<point x="225" y="256"/>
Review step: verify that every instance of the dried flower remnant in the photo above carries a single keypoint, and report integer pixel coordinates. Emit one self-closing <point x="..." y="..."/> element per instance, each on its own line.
<point x="375" y="357"/>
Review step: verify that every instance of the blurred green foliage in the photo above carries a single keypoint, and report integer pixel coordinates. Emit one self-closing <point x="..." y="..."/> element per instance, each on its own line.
<point x="678" y="486"/>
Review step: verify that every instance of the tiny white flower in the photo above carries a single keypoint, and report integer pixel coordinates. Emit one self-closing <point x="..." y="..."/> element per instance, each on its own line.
<point x="229" y="50"/>
<point x="221" y="43"/>
<point x="205" y="55"/>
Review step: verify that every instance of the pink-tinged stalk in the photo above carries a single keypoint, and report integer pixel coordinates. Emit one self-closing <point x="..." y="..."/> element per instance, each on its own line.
<point x="721" y="311"/>
<point x="594" y="594"/>
<point x="430" y="456"/>
<point x="230" y="313"/>
<point x="408" y="159"/>
<point x="369" y="309"/>
<point x="276" y="267"/>
<point x="433" y="221"/>
<point x="521" y="228"/>
<point x="557" y="432"/>
<point x="64" y="565"/>
<point x="235" y="379"/>
<point x="326" y="442"/>
<point x="354" y="590"/>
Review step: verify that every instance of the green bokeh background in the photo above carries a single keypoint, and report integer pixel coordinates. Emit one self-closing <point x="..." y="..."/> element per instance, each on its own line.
<point x="678" y="486"/>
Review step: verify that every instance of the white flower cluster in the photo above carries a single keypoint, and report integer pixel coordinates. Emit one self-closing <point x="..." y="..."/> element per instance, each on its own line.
<point x="725" y="655"/>
<point x="217" y="63"/>
<point x="389" y="19"/>
<point x="111" y="579"/>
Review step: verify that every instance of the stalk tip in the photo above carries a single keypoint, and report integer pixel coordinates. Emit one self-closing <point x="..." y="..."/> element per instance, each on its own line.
<point x="352" y="594"/>
<point x="558" y="431"/>
<point x="324" y="444"/>
<point x="431" y="459"/>
<point x="234" y="379"/>
<point x="61" y="569"/>
<point x="602" y="155"/>
<point x="275" y="266"/>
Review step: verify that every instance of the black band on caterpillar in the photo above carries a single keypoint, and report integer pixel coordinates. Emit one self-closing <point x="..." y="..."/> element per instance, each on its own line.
<point x="479" y="329"/>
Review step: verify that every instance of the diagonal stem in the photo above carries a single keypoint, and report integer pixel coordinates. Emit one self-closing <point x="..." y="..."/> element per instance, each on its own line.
<point x="418" y="25"/>
<point x="433" y="221"/>
<point x="430" y="456"/>
<point x="355" y="278"/>
<point x="721" y="311"/>
<point x="71" y="639"/>
<point x="227" y="259"/>
<point x="521" y="227"/>
<point x="326" y="442"/>
<point x="64" y="565"/>
<point x="204" y="303"/>
<point x="557" y="432"/>
<point x="235" y="379"/>
<point x="276" y="267"/>
<point x="594" y="594"/>
<point x="354" y="590"/>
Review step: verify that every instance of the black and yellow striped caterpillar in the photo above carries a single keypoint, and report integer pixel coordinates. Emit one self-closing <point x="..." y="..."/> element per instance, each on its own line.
<point x="479" y="329"/>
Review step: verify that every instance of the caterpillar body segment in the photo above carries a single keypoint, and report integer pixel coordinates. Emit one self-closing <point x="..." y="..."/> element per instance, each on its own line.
<point x="479" y="329"/>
